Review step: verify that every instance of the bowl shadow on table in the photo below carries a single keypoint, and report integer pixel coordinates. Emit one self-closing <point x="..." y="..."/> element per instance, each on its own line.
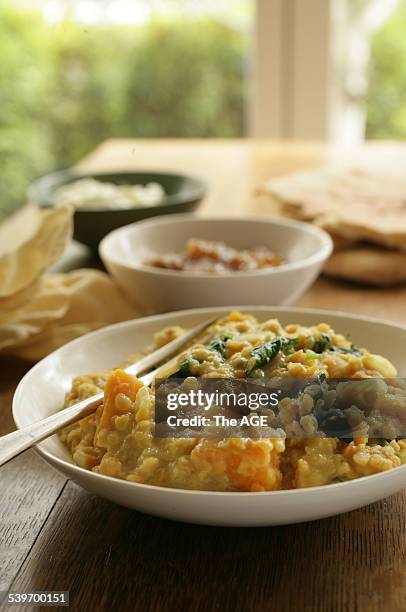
<point x="113" y="558"/>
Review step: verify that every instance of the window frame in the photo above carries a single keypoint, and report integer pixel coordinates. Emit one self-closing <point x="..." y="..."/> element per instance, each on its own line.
<point x="293" y="93"/>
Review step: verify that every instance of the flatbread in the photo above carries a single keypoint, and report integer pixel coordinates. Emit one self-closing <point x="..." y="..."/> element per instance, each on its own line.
<point x="19" y="326"/>
<point x="18" y="228"/>
<point x="351" y="203"/>
<point x="38" y="311"/>
<point x="20" y="299"/>
<point x="368" y="265"/>
<point x="46" y="234"/>
<point x="68" y="306"/>
<point x="366" y="228"/>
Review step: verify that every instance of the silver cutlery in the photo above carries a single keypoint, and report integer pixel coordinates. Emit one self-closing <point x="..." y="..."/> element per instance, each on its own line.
<point x="18" y="441"/>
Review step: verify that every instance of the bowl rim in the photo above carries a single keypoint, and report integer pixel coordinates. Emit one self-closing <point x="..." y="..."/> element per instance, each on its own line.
<point x="325" y="249"/>
<point x="197" y="188"/>
<point x="69" y="466"/>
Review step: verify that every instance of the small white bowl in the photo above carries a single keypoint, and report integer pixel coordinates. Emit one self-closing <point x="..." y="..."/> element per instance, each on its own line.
<point x="124" y="251"/>
<point x="41" y="393"/>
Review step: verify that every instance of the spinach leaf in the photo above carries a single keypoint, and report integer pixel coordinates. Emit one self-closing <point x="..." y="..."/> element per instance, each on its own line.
<point x="334" y="423"/>
<point x="219" y="344"/>
<point x="382" y="441"/>
<point x="265" y="353"/>
<point x="183" y="371"/>
<point x="353" y="350"/>
<point x="322" y="343"/>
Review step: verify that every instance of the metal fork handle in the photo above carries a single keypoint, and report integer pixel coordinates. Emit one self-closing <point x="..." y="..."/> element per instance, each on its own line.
<point x="18" y="441"/>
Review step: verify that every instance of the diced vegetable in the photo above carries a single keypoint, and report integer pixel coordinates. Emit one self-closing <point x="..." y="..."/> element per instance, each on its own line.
<point x="118" y="382"/>
<point x="312" y="355"/>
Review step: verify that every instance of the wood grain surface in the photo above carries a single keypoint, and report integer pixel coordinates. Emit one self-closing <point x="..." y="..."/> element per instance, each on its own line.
<point x="56" y="536"/>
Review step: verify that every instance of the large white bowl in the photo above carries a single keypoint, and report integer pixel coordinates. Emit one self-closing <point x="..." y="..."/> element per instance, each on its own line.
<point x="124" y="252"/>
<point x="41" y="393"/>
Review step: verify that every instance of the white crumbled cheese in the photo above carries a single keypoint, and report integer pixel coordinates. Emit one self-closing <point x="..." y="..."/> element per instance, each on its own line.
<point x="90" y="193"/>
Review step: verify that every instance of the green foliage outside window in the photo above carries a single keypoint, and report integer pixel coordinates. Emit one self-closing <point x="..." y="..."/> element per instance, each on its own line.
<point x="386" y="116"/>
<point x="65" y="88"/>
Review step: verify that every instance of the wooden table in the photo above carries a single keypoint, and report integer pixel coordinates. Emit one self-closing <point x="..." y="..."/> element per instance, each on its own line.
<point x="56" y="536"/>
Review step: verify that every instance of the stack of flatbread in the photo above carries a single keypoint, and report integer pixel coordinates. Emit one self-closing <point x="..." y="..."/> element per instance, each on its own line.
<point x="40" y="311"/>
<point x="365" y="213"/>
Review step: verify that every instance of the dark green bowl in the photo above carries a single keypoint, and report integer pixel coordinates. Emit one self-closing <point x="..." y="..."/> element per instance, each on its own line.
<point x="183" y="194"/>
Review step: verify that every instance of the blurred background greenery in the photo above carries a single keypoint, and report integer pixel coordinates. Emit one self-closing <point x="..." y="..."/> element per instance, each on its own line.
<point x="66" y="85"/>
<point x="386" y="101"/>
